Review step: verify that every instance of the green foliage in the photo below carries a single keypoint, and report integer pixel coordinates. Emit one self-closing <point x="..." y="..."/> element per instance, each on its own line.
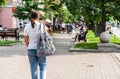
<point x="56" y="10"/>
<point x="24" y="12"/>
<point x="92" y="41"/>
<point x="2" y="43"/>
<point x="3" y="2"/>
<point x="86" y="45"/>
<point x="64" y="15"/>
<point x="91" y="10"/>
<point x="53" y="8"/>
<point x="74" y="7"/>
<point x="115" y="39"/>
<point x="91" y="44"/>
<point x="91" y="37"/>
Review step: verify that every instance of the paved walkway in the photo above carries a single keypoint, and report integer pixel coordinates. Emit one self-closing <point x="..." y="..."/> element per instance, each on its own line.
<point x="62" y="65"/>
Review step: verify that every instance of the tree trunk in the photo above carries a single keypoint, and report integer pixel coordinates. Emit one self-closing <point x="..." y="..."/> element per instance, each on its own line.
<point x="54" y="19"/>
<point x="103" y="16"/>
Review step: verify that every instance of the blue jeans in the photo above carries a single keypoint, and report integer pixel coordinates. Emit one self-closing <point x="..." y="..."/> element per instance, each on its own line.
<point x="36" y="61"/>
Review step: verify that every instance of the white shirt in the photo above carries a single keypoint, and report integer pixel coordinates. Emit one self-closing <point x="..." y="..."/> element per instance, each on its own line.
<point x="33" y="34"/>
<point x="1" y="28"/>
<point x="63" y="25"/>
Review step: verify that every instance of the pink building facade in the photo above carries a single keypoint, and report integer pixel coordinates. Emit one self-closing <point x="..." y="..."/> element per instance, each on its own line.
<point x="6" y="14"/>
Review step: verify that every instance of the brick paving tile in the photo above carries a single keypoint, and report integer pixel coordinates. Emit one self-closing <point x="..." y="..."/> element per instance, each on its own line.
<point x="63" y="65"/>
<point x="83" y="66"/>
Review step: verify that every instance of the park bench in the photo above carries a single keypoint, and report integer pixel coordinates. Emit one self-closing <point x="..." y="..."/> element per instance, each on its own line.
<point x="9" y="32"/>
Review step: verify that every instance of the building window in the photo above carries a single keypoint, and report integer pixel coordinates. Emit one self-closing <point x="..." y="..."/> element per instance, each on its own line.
<point x="14" y="0"/>
<point x="17" y="1"/>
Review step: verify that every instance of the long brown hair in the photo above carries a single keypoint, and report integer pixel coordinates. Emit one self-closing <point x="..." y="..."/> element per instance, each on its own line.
<point x="34" y="16"/>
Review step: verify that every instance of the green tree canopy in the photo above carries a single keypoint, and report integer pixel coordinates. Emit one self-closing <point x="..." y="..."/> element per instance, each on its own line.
<point x="3" y="2"/>
<point x="99" y="11"/>
<point x="23" y="12"/>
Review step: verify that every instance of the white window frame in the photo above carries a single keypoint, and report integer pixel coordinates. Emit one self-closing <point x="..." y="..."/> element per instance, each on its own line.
<point x="17" y="1"/>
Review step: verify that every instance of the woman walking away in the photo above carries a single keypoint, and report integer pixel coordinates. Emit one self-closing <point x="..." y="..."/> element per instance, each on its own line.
<point x="31" y="33"/>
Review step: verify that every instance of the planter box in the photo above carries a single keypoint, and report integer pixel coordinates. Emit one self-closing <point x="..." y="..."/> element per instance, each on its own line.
<point x="108" y="47"/>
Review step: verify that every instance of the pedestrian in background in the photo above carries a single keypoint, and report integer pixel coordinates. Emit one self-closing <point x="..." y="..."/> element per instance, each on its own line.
<point x="31" y="33"/>
<point x="1" y="28"/>
<point x="69" y="29"/>
<point x="63" y="27"/>
<point x="109" y="29"/>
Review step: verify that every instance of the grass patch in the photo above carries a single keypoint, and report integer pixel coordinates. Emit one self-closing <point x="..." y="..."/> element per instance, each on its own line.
<point x="9" y="42"/>
<point x="92" y="41"/>
<point x="86" y="45"/>
<point x="115" y="39"/>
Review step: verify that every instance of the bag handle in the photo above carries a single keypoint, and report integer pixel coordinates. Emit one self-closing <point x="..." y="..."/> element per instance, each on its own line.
<point x="43" y="35"/>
